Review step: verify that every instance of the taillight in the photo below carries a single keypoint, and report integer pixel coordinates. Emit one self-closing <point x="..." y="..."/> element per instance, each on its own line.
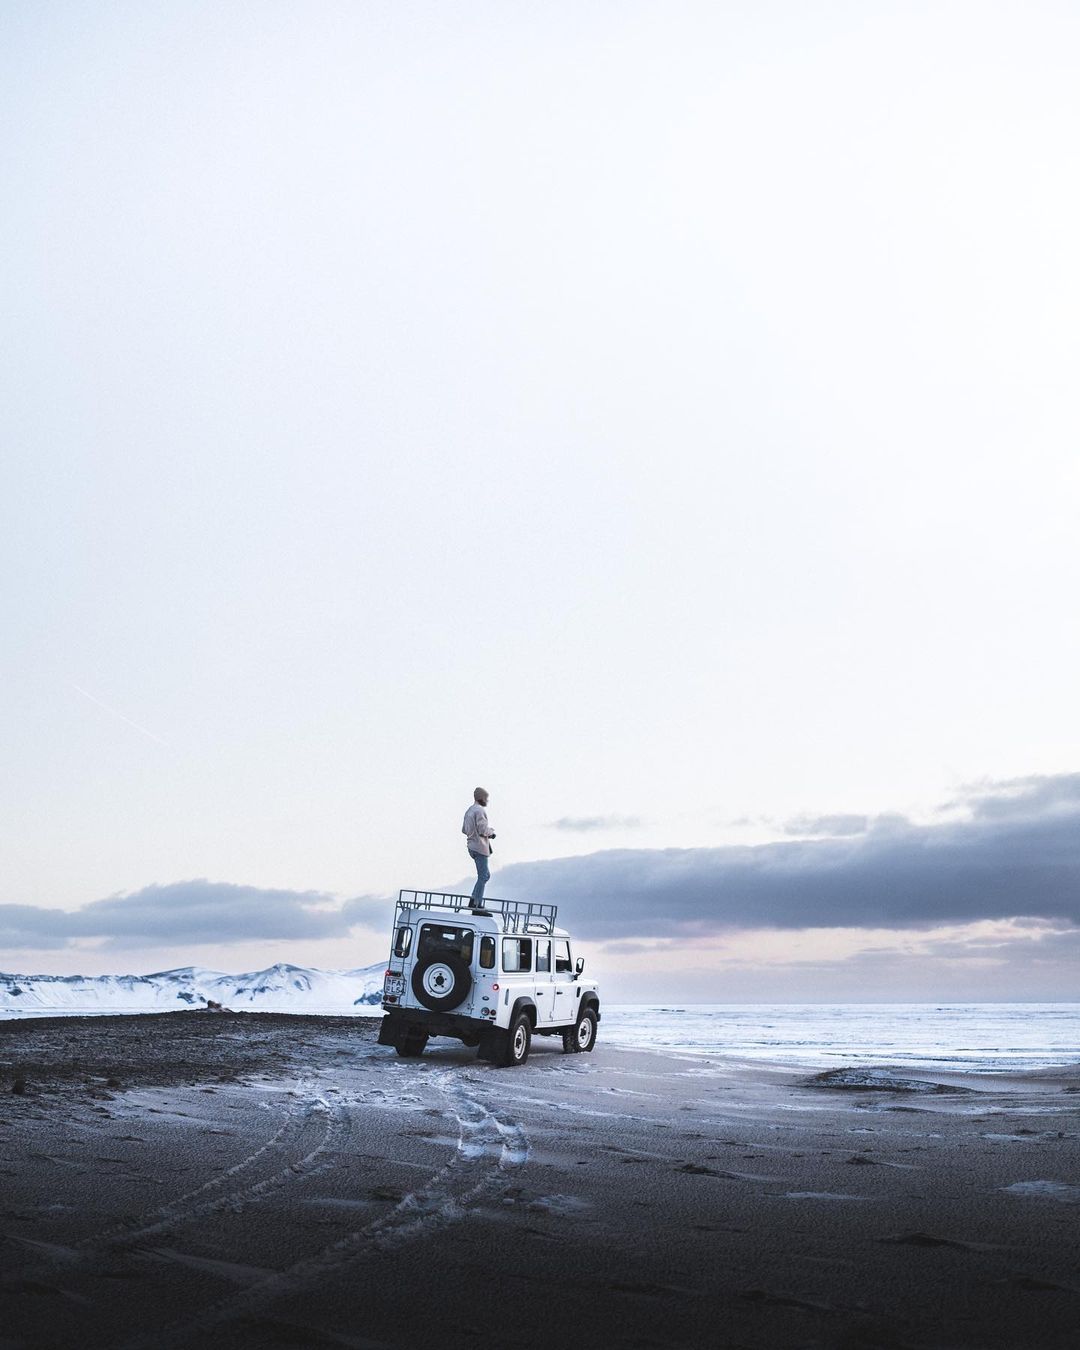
<point x="495" y="987"/>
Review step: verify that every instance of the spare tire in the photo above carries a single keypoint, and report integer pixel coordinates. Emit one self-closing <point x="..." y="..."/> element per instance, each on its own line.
<point x="441" y="982"/>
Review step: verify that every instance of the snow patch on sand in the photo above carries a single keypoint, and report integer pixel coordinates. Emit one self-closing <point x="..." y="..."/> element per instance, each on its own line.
<point x="1061" y="1191"/>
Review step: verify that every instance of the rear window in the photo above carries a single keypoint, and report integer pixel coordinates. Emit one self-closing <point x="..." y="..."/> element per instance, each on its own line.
<point x="437" y="939"/>
<point x="543" y="956"/>
<point x="403" y="941"/>
<point x="487" y="953"/>
<point x="517" y="954"/>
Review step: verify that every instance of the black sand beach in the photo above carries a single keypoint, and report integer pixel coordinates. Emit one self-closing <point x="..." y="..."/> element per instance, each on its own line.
<point x="254" y="1180"/>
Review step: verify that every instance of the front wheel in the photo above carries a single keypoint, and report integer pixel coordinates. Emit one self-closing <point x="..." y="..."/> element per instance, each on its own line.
<point x="582" y="1036"/>
<point x="515" y="1049"/>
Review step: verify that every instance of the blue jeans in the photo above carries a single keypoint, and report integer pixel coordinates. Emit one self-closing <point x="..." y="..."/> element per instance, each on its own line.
<point x="483" y="874"/>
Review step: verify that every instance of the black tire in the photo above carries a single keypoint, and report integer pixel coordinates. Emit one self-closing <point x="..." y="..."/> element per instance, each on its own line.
<point x="515" y="1047"/>
<point x="582" y="1036"/>
<point x="413" y="1044"/>
<point x="441" y="982"/>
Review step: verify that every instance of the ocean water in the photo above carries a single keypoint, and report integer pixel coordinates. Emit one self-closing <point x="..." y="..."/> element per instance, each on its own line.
<point x="955" y="1036"/>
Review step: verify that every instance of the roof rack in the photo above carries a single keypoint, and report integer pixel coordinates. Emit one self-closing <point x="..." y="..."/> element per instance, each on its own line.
<point x="519" y="916"/>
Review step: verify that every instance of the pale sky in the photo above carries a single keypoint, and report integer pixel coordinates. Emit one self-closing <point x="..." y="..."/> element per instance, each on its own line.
<point x="661" y="414"/>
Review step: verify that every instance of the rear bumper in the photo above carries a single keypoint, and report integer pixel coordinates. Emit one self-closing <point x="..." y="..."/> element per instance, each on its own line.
<point x="398" y="1020"/>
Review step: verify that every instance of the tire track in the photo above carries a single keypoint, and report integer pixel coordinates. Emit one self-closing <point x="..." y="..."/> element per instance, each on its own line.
<point x="183" y="1210"/>
<point x="220" y="1193"/>
<point x="216" y="1192"/>
<point x="490" y="1148"/>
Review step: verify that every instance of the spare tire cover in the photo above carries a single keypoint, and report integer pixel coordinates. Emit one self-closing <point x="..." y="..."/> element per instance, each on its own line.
<point x="441" y="982"/>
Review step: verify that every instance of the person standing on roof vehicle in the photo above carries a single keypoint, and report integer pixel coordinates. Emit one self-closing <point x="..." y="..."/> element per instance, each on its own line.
<point x="478" y="836"/>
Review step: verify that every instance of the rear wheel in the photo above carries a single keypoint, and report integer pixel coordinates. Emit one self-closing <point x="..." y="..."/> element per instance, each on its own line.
<point x="515" y="1049"/>
<point x="581" y="1036"/>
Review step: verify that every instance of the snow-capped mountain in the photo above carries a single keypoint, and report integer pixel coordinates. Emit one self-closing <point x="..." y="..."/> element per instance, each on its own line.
<point x="280" y="988"/>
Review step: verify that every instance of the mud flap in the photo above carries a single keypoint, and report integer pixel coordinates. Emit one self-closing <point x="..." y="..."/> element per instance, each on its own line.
<point x="492" y="1044"/>
<point x="392" y="1029"/>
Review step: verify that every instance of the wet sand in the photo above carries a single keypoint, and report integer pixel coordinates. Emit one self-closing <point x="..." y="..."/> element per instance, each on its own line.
<point x="255" y="1180"/>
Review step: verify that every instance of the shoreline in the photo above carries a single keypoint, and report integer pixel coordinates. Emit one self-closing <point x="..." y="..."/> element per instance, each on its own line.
<point x="646" y="1027"/>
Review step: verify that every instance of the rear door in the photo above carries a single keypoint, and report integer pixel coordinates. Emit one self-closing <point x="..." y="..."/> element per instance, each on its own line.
<point x="517" y="965"/>
<point x="544" y="989"/>
<point x="439" y="940"/>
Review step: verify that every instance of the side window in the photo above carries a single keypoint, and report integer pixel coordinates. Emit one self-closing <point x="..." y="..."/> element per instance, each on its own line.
<point x="403" y="942"/>
<point x="487" y="953"/>
<point x="517" y="954"/>
<point x="562" y="957"/>
<point x="543" y="956"/>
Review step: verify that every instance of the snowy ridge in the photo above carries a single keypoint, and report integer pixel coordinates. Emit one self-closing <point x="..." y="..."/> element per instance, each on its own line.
<point x="279" y="988"/>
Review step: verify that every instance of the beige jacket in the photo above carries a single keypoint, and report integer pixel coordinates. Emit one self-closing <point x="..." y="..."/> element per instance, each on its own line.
<point x="477" y="831"/>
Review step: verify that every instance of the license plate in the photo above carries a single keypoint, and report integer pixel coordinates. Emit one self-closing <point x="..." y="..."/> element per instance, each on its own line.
<point x="394" y="984"/>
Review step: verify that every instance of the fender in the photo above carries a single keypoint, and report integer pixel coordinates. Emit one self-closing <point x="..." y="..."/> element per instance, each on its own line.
<point x="494" y="1035"/>
<point x="590" y="999"/>
<point x="524" y="1004"/>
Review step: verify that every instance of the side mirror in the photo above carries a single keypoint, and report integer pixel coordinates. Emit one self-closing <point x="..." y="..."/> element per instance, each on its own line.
<point x="580" y="965"/>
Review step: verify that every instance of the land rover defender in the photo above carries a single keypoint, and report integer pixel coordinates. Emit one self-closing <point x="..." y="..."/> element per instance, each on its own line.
<point x="492" y="977"/>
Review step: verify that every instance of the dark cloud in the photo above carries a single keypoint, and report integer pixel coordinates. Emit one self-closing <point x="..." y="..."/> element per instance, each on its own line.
<point x="183" y="911"/>
<point x="32" y="926"/>
<point x="1025" y="862"/>
<point x="628" y="948"/>
<point x="841" y="825"/>
<point x="833" y="825"/>
<point x="374" y="911"/>
<point x="586" y="823"/>
<point x="1020" y="859"/>
<point x="1021" y="798"/>
<point x="1035" y="942"/>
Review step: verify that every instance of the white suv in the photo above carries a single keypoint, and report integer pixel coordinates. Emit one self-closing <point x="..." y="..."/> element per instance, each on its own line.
<point x="491" y="977"/>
